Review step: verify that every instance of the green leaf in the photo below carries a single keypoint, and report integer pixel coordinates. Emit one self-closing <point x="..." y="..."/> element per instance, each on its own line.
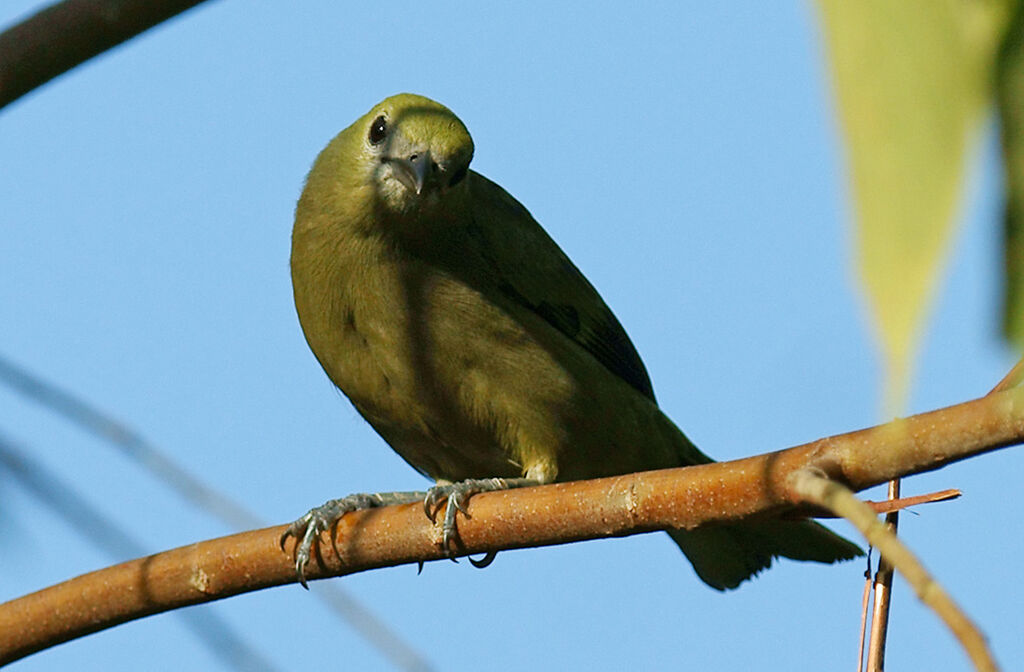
<point x="911" y="78"/>
<point x="1009" y="78"/>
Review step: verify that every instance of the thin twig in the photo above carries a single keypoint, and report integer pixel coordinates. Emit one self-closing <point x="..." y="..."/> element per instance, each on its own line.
<point x="825" y="492"/>
<point x="864" y="602"/>
<point x="878" y="629"/>
<point x="882" y="603"/>
<point x="889" y="505"/>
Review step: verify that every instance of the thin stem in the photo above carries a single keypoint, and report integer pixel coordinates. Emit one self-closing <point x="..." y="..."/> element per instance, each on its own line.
<point x="882" y="594"/>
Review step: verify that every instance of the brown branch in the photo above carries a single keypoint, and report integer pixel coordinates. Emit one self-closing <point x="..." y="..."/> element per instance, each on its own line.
<point x="69" y="33"/>
<point x="540" y="516"/>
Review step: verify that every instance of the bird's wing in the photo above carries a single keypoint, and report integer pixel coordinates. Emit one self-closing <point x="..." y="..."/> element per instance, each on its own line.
<point x="531" y="270"/>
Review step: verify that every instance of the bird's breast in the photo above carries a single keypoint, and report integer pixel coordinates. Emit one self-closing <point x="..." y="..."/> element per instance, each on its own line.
<point x="405" y="344"/>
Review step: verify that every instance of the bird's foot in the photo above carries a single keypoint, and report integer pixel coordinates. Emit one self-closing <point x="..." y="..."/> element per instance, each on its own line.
<point x="456" y="495"/>
<point x="307" y="529"/>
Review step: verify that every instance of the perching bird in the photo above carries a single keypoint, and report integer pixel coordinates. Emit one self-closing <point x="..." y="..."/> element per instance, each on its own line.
<point x="474" y="346"/>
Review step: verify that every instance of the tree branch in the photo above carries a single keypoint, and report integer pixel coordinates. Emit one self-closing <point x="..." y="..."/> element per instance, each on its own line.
<point x="69" y="33"/>
<point x="540" y="516"/>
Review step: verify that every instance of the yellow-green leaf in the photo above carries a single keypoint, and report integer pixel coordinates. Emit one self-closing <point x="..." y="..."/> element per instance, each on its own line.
<point x="1009" y="78"/>
<point x="911" y="79"/>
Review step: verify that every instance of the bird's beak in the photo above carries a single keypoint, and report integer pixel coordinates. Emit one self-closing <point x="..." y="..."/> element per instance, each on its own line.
<point x="414" y="170"/>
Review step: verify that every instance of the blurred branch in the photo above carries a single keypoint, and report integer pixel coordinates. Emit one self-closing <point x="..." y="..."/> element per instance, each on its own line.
<point x="69" y="33"/>
<point x="219" y="638"/>
<point x="540" y="516"/>
<point x="135" y="446"/>
<point x="841" y="500"/>
<point x="129" y="442"/>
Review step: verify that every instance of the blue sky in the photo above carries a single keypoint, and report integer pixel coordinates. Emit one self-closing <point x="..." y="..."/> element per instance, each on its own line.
<point x="685" y="155"/>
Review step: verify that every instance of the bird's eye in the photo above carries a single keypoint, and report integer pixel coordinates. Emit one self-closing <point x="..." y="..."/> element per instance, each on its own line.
<point x="458" y="176"/>
<point x="378" y="130"/>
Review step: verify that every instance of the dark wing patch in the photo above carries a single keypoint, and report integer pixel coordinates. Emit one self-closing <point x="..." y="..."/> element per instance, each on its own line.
<point x="565" y="318"/>
<point x="534" y="272"/>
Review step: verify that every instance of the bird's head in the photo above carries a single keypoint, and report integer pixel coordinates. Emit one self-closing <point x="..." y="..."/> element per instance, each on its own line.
<point x="413" y="152"/>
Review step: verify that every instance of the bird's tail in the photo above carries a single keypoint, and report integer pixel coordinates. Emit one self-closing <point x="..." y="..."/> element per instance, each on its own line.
<point x="726" y="555"/>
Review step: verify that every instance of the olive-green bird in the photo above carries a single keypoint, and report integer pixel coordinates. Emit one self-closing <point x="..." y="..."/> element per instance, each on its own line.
<point x="474" y="346"/>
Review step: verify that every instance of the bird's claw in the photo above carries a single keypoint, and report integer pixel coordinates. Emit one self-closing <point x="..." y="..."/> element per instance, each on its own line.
<point x="307" y="529"/>
<point x="455" y="496"/>
<point x="484" y="561"/>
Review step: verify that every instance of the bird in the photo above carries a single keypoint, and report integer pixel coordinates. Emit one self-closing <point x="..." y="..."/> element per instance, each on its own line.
<point x="473" y="345"/>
